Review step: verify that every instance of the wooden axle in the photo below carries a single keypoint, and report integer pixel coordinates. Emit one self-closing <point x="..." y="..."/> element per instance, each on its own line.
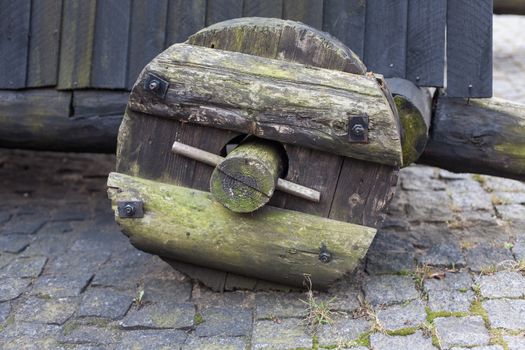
<point x="214" y="160"/>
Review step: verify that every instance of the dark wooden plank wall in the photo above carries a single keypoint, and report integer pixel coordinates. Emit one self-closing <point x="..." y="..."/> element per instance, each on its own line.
<point x="469" y="48"/>
<point x="105" y="44"/>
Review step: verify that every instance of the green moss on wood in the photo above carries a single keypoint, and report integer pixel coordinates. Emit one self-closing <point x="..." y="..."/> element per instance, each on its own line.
<point x="414" y="133"/>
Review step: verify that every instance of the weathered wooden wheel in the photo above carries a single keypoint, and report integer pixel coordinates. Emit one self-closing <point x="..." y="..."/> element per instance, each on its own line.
<point x="256" y="76"/>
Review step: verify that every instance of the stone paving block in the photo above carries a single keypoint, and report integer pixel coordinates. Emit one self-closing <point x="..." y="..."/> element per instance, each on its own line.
<point x="158" y="290"/>
<point x="450" y="300"/>
<point x="160" y="315"/>
<point x="5" y="309"/>
<point x="148" y="339"/>
<point x="503" y="284"/>
<point x="514" y="213"/>
<point x="279" y="305"/>
<point x="214" y="343"/>
<point x="55" y="228"/>
<point x="346" y="294"/>
<point x="493" y="184"/>
<point x="509" y="197"/>
<point x="5" y="259"/>
<point x="506" y="313"/>
<point x="380" y="341"/>
<point x="23" y="224"/>
<point x="105" y="302"/>
<point x="486" y="256"/>
<point x="519" y="248"/>
<point x="228" y="322"/>
<point x="382" y="262"/>
<point x="29" y="330"/>
<point x="24" y="267"/>
<point x="515" y="342"/>
<point x="452" y="281"/>
<point x="342" y="331"/>
<point x="53" y="311"/>
<point x="60" y="286"/>
<point x="389" y="289"/>
<point x="429" y="206"/>
<point x="397" y="317"/>
<point x="287" y="334"/>
<point x="11" y="288"/>
<point x="75" y="333"/>
<point x="445" y="254"/>
<point x="14" y="243"/>
<point x="461" y="331"/>
<point x="46" y="245"/>
<point x="72" y="212"/>
<point x="487" y="347"/>
<point x="78" y="262"/>
<point x="472" y="200"/>
<point x="30" y="344"/>
<point x="96" y="238"/>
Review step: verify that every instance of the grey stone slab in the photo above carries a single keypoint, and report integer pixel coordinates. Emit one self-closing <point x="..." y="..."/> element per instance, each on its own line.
<point x="397" y="317"/>
<point x="214" y="343"/>
<point x="53" y="311"/>
<point x="472" y="200"/>
<point x="380" y="341"/>
<point x="12" y="288"/>
<point x="157" y="289"/>
<point x="516" y="342"/>
<point x="149" y="339"/>
<point x="24" y="267"/>
<point x="76" y="333"/>
<point x="279" y="305"/>
<point x="23" y="224"/>
<point x="486" y="256"/>
<point x="378" y="262"/>
<point x="344" y="295"/>
<point x="445" y="254"/>
<point x="389" y="289"/>
<point x="55" y="228"/>
<point x="429" y="206"/>
<point x="452" y="281"/>
<point x="343" y="330"/>
<point x="29" y="330"/>
<point x="105" y="302"/>
<point x="160" y="315"/>
<point x="461" y="331"/>
<point x="486" y="347"/>
<point x="31" y="344"/>
<point x="503" y="284"/>
<point x="285" y="334"/>
<point x="5" y="309"/>
<point x="515" y="213"/>
<point x="61" y="286"/>
<point x="509" y="197"/>
<point x="14" y="243"/>
<point x="506" y="313"/>
<point x="229" y="322"/>
<point x="519" y="247"/>
<point x="450" y="300"/>
<point x="493" y="184"/>
<point x="47" y="245"/>
<point x="5" y="259"/>
<point x="78" y="262"/>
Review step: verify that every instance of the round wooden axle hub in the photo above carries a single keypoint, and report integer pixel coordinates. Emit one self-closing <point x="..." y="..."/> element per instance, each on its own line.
<point x="245" y="180"/>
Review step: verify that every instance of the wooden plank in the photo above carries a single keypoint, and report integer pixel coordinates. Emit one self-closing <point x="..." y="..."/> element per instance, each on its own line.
<point x="267" y="8"/>
<point x="307" y="11"/>
<point x="148" y="34"/>
<point x="469" y="48"/>
<point x="44" y="43"/>
<point x="110" y="51"/>
<point x="385" y="37"/>
<point x="184" y="19"/>
<point x="345" y="19"/>
<point x="99" y="102"/>
<point x="426" y="42"/>
<point x="14" y="40"/>
<point x="221" y="10"/>
<point x="76" y="44"/>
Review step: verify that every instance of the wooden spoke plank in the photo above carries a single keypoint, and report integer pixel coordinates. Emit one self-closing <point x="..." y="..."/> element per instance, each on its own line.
<point x="426" y="42"/>
<point x="110" y="51"/>
<point x="99" y="102"/>
<point x="221" y="10"/>
<point x="385" y="37"/>
<point x="307" y="11"/>
<point x="44" y="43"/>
<point x="267" y="8"/>
<point x="469" y="48"/>
<point x="345" y="19"/>
<point x="184" y="19"/>
<point x="14" y="40"/>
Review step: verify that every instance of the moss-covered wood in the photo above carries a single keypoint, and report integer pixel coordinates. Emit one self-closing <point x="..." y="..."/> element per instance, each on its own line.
<point x="273" y="244"/>
<point x="246" y="179"/>
<point x="484" y="136"/>
<point x="272" y="99"/>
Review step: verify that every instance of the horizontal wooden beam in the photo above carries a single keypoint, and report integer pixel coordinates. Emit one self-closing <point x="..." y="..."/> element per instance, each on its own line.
<point x="272" y="99"/>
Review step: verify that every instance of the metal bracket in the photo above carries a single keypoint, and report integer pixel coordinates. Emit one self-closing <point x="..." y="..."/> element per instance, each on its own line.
<point x="156" y="85"/>
<point x="130" y="209"/>
<point x="324" y="255"/>
<point x="358" y="129"/>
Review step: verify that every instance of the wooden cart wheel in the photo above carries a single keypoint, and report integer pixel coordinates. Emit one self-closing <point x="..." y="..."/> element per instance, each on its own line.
<point x="363" y="190"/>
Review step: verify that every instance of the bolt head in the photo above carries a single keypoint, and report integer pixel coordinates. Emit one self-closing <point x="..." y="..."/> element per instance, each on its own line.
<point x="358" y="130"/>
<point x="129" y="210"/>
<point x="325" y="257"/>
<point x="154" y="85"/>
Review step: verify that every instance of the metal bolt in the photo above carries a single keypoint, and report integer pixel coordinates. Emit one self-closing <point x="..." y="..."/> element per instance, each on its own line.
<point x="325" y="256"/>
<point x="129" y="210"/>
<point x="358" y="129"/>
<point x="154" y="85"/>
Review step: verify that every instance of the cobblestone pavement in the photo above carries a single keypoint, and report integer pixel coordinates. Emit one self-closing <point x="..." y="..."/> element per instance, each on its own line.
<point x="446" y="272"/>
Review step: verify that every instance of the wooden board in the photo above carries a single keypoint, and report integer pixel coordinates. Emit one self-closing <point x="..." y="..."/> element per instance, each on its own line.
<point x="425" y="61"/>
<point x="345" y="19"/>
<point x="469" y="48"/>
<point x="14" y="40"/>
<point x="267" y="8"/>
<point x="306" y="11"/>
<point x="385" y="37"/>
<point x="221" y="10"/>
<point x="44" y="43"/>
<point x="99" y="102"/>
<point x="147" y="36"/>
<point x="76" y="44"/>
<point x="110" y="50"/>
<point x="184" y="19"/>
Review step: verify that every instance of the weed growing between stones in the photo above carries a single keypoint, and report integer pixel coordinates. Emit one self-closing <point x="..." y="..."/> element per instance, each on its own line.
<point x="318" y="313"/>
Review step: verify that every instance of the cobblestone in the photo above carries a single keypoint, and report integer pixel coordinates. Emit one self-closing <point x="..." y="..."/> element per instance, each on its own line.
<point x="503" y="284"/>
<point x="461" y="331"/>
<point x="152" y="340"/>
<point x="389" y="289"/>
<point x="214" y="343"/>
<point x="166" y="315"/>
<point x="105" y="302"/>
<point x="60" y="286"/>
<point x="506" y="313"/>
<point x="229" y="322"/>
<point x="342" y="331"/>
<point x="286" y="334"/>
<point x="11" y="288"/>
<point x="402" y="316"/>
<point x="381" y="341"/>
<point x="53" y="311"/>
<point x="516" y="342"/>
